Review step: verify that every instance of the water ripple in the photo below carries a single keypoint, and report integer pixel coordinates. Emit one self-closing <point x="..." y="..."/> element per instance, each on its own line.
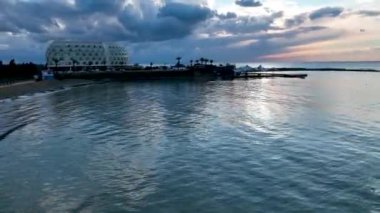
<point x="277" y="145"/>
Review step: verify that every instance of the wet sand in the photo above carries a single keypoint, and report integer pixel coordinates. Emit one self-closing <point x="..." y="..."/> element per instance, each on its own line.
<point x="31" y="87"/>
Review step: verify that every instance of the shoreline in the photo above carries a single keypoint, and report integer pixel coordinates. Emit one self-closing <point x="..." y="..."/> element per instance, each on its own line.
<point x="31" y="87"/>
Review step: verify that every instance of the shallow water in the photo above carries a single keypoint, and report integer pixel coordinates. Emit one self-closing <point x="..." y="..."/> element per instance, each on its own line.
<point x="270" y="145"/>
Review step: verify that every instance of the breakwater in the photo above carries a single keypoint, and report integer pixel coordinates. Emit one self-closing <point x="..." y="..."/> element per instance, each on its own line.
<point x="204" y="72"/>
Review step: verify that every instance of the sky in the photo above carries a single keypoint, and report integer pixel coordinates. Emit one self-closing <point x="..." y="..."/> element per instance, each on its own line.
<point x="234" y="31"/>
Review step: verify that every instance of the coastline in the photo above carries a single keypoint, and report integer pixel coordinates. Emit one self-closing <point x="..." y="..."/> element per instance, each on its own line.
<point x="82" y="79"/>
<point x="31" y="87"/>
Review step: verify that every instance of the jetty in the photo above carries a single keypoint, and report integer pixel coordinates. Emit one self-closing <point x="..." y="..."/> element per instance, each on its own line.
<point x="269" y="75"/>
<point x="125" y="74"/>
<point x="226" y="72"/>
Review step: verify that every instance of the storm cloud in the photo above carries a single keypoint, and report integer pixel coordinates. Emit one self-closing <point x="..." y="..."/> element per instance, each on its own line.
<point x="189" y="14"/>
<point x="104" y="19"/>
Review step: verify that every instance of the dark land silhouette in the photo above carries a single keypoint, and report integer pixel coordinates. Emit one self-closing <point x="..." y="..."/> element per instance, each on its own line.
<point x="13" y="72"/>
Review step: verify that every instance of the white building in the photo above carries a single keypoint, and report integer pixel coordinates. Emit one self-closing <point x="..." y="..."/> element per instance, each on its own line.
<point x="71" y="55"/>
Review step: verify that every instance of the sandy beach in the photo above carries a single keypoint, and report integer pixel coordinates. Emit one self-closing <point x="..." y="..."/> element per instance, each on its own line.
<point x="31" y="87"/>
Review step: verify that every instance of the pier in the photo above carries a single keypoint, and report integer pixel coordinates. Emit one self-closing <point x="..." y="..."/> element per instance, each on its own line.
<point x="209" y="72"/>
<point x="269" y="75"/>
<point x="125" y="74"/>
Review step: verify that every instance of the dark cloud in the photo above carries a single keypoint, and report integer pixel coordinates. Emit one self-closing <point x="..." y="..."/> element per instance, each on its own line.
<point x="326" y="12"/>
<point x="107" y="6"/>
<point x="173" y="21"/>
<point x="33" y="17"/>
<point x="6" y="26"/>
<point x="245" y="24"/>
<point x="248" y="3"/>
<point x="108" y="20"/>
<point x="296" y="20"/>
<point x="187" y="13"/>
<point x="228" y="15"/>
<point x="369" y="13"/>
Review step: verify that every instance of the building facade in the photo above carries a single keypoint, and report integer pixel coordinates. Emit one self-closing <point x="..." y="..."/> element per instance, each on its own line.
<point x="72" y="55"/>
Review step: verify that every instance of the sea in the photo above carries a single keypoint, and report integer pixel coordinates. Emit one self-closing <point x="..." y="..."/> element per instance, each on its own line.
<point x="365" y="65"/>
<point x="265" y="145"/>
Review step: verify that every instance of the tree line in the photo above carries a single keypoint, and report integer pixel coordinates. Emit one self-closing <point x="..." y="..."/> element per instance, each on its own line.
<point x="13" y="71"/>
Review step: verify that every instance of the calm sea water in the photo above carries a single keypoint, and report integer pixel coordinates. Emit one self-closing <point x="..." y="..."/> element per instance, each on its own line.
<point x="375" y="65"/>
<point x="271" y="145"/>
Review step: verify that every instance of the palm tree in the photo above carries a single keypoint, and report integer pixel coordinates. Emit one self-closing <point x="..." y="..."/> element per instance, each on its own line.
<point x="206" y="61"/>
<point x="196" y="61"/>
<point x="75" y="62"/>
<point x="56" y="60"/>
<point x="12" y="63"/>
<point x="178" y="61"/>
<point x="202" y="60"/>
<point x="151" y="65"/>
<point x="191" y="62"/>
<point x="211" y="62"/>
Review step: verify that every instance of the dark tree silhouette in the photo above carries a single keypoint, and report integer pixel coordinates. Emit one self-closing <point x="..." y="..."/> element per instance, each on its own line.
<point x="12" y="63"/>
<point x="12" y="72"/>
<point x="178" y="60"/>
<point x="191" y="62"/>
<point x="202" y="60"/>
<point x="206" y="61"/>
<point x="75" y="62"/>
<point x="56" y="60"/>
